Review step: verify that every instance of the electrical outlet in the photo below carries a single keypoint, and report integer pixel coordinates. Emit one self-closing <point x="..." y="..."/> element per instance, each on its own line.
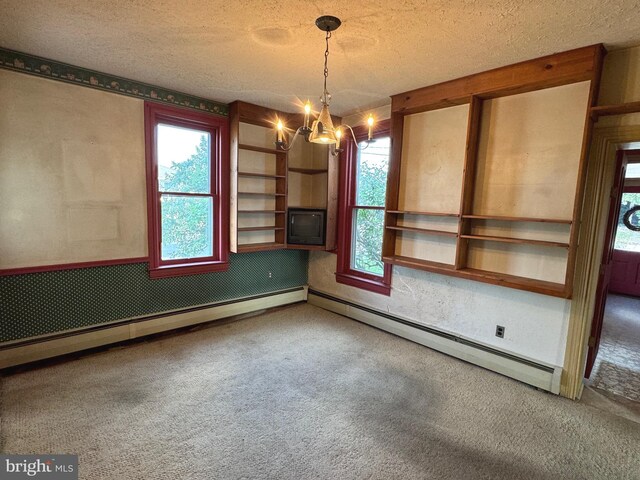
<point x="499" y="331"/>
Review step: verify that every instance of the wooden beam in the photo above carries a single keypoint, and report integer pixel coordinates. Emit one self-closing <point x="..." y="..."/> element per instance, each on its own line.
<point x="468" y="181"/>
<point x="544" y="72"/>
<point x="597" y="61"/>
<point x="621" y="109"/>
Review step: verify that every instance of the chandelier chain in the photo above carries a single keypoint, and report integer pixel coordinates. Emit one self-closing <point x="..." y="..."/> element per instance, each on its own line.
<point x="326" y="67"/>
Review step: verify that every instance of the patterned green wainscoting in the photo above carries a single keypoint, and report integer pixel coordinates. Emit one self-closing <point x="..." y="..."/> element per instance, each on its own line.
<point x="51" y="302"/>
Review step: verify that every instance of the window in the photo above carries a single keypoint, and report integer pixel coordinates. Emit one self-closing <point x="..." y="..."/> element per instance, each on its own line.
<point x="628" y="230"/>
<point x="363" y="185"/>
<point x="187" y="191"/>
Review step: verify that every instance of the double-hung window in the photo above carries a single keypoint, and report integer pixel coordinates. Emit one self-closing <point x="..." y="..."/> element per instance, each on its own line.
<point x="187" y="191"/>
<point x="363" y="185"/>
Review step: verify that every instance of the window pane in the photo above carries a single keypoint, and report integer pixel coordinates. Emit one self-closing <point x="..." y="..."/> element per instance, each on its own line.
<point x="187" y="227"/>
<point x="183" y="160"/>
<point x="633" y="170"/>
<point x="371" y="172"/>
<point x="627" y="239"/>
<point x="366" y="244"/>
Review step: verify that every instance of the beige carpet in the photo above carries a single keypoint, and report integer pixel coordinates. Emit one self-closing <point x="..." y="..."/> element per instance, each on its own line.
<point x="305" y="394"/>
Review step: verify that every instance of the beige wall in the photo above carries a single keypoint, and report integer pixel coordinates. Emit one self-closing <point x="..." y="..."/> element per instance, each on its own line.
<point x="72" y="174"/>
<point x="620" y="84"/>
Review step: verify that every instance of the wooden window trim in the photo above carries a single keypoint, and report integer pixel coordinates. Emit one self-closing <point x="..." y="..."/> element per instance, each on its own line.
<point x="218" y="128"/>
<point x="346" y="206"/>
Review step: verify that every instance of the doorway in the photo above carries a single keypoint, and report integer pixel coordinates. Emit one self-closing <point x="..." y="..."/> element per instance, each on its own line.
<point x="613" y="363"/>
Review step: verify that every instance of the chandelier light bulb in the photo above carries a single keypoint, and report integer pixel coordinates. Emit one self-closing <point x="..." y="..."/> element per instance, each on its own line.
<point x="280" y="127"/>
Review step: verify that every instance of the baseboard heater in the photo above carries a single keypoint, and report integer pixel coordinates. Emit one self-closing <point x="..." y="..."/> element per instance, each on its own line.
<point x="545" y="377"/>
<point x="40" y="348"/>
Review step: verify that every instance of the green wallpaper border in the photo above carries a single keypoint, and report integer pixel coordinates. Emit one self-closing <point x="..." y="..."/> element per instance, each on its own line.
<point x="54" y="70"/>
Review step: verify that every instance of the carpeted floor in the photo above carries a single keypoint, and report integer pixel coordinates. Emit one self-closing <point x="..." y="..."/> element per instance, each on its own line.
<point x="302" y="393"/>
<point x="617" y="367"/>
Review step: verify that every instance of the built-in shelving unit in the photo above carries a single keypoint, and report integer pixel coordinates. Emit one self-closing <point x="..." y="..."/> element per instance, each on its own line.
<point x="266" y="181"/>
<point x="258" y="181"/>
<point x="313" y="183"/>
<point x="487" y="173"/>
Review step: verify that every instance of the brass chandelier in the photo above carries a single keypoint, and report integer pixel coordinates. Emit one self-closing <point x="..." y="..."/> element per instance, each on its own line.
<point x="322" y="130"/>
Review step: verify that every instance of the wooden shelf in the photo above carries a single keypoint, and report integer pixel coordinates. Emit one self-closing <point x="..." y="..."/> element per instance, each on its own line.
<point x="261" y="211"/>
<point x="524" y="241"/>
<point x="427" y="231"/>
<point x="306" y="247"/>
<point x="494" y="278"/>
<point x="260" y="175"/>
<point x="620" y="109"/>
<point x="255" y="229"/>
<point x="260" y="194"/>
<point x="518" y="219"/>
<point x="308" y="171"/>
<point x="513" y="281"/>
<point x="253" y="148"/>
<point x="417" y="263"/>
<point x="427" y="214"/>
<point x="259" y="247"/>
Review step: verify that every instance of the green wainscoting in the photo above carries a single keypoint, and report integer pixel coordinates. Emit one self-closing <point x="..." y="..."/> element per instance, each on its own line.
<point x="51" y="302"/>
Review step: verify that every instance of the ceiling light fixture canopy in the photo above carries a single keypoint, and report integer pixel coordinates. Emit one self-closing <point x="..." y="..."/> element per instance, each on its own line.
<point x="322" y="130"/>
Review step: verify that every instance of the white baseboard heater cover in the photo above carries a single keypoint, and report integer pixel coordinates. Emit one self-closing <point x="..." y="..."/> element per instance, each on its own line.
<point x="34" y="349"/>
<point x="543" y="376"/>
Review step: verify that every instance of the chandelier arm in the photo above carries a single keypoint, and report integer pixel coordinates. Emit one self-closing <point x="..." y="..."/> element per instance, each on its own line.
<point x="355" y="140"/>
<point x="281" y="145"/>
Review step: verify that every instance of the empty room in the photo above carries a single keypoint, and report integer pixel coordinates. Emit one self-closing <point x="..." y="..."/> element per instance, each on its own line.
<point x="292" y="240"/>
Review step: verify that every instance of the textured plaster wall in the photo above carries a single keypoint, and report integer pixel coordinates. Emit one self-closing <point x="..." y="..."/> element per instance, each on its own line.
<point x="72" y="174"/>
<point x="536" y="325"/>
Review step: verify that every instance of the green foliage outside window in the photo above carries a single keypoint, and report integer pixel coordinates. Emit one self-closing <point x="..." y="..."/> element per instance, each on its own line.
<point x="368" y="228"/>
<point x="187" y="221"/>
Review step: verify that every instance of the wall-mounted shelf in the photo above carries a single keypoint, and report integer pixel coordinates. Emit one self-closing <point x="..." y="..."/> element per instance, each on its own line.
<point x="620" y="109"/>
<point x="426" y="214"/>
<point x="257" y="229"/>
<point x="505" y="280"/>
<point x="442" y="233"/>
<point x="308" y="171"/>
<point x="518" y="219"/>
<point x="261" y="211"/>
<point x="524" y="241"/>
<point x="489" y="167"/>
<point x="262" y="194"/>
<point x="256" y="148"/>
<point x="258" y="247"/>
<point x="260" y="175"/>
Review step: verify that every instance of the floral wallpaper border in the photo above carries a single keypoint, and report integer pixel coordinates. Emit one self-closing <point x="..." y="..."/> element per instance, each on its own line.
<point x="42" y="67"/>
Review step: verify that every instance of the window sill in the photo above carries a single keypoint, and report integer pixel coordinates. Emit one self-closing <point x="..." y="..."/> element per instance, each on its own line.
<point x="179" y="270"/>
<point x="375" y="286"/>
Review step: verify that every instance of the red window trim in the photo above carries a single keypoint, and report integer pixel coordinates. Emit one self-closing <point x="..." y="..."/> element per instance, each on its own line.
<point x="218" y="128"/>
<point x="346" y="204"/>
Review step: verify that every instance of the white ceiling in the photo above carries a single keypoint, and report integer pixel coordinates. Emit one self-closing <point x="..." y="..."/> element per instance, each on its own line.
<point x="270" y="52"/>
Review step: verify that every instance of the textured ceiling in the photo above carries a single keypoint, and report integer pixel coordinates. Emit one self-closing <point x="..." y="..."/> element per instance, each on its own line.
<point x="270" y="52"/>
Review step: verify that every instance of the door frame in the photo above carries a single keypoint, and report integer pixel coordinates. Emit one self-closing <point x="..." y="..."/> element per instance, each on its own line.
<point x="595" y="205"/>
<point x="604" y="273"/>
